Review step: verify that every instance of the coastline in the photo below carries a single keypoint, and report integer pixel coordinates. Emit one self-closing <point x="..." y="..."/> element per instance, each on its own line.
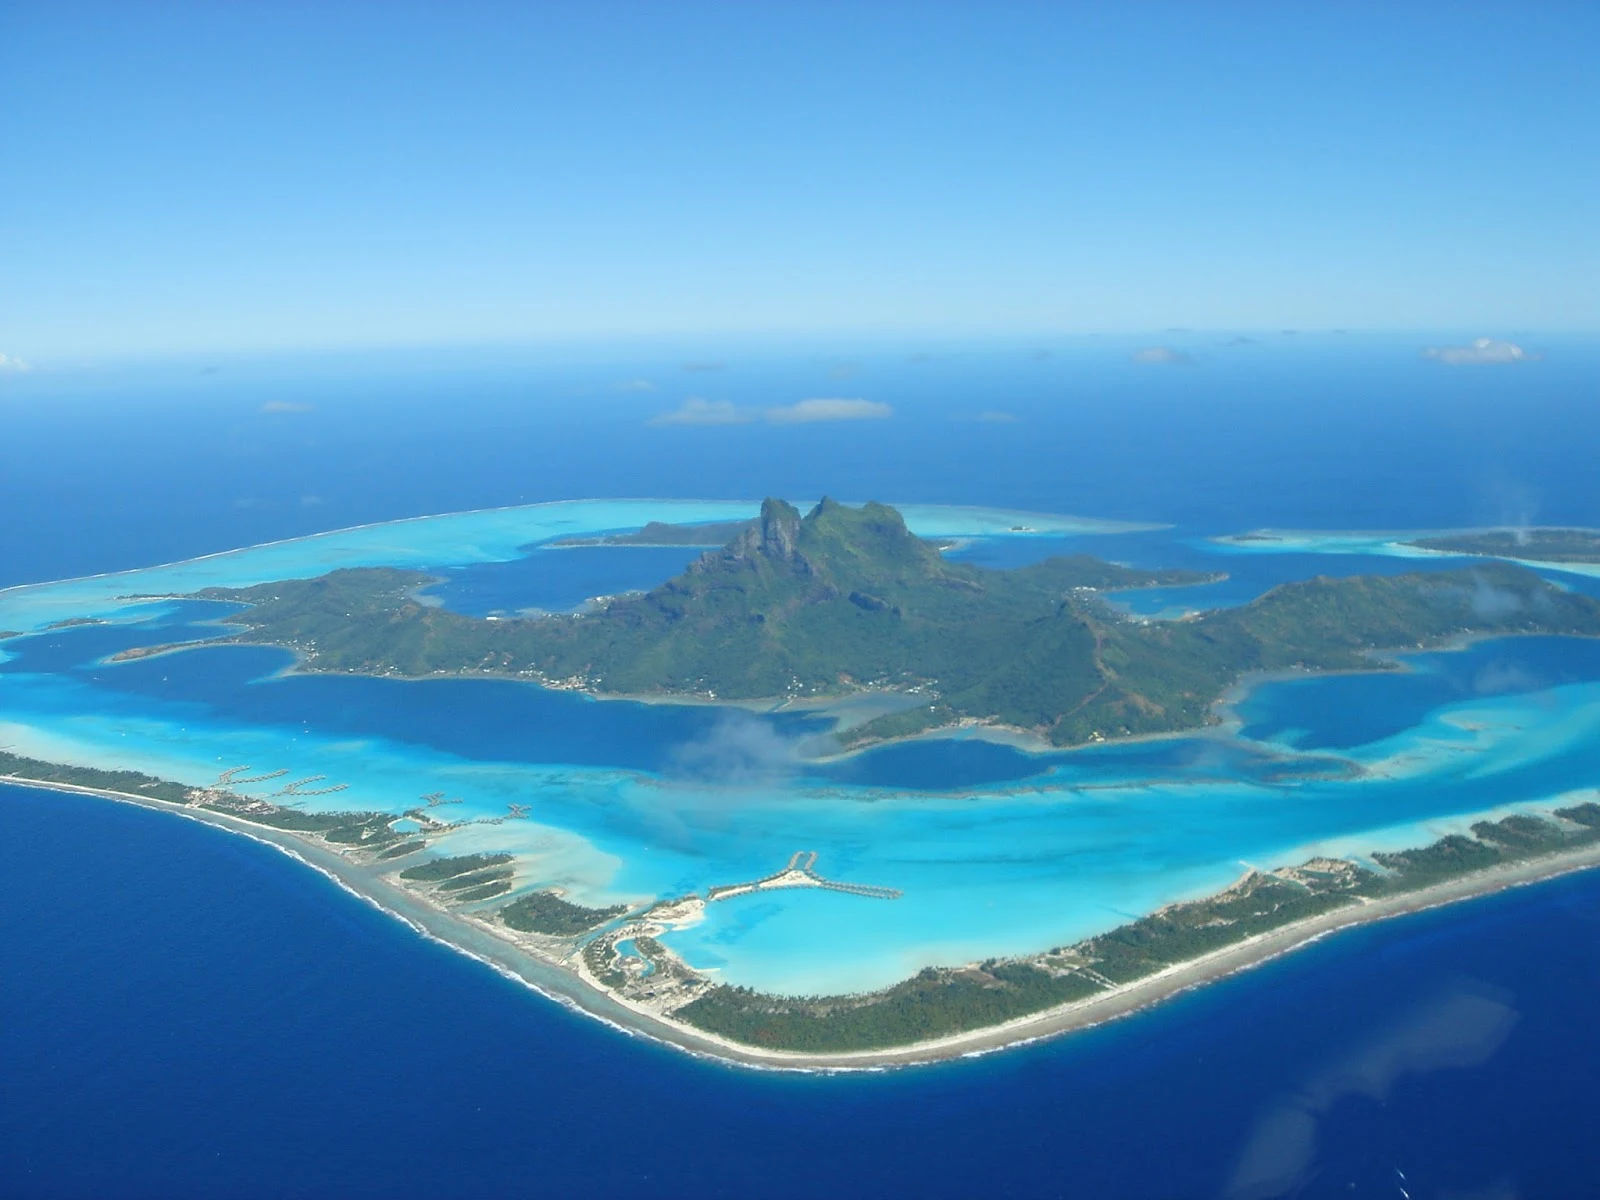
<point x="521" y="960"/>
<point x="1089" y="526"/>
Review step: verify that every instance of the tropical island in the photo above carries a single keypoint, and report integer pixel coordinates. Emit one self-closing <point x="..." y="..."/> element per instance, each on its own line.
<point x="846" y="600"/>
<point x="837" y="602"/>
<point x="1534" y="545"/>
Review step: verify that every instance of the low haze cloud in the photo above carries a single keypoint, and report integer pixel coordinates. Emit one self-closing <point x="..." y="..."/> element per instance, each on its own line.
<point x="636" y="385"/>
<point x="284" y="406"/>
<point x="1484" y="352"/>
<point x="1499" y="678"/>
<point x="740" y="750"/>
<point x="15" y="365"/>
<point x="1492" y="603"/>
<point x="806" y="411"/>
<point x="995" y="417"/>
<point x="1161" y="356"/>
<point x="1512" y="505"/>
<point x="698" y="411"/>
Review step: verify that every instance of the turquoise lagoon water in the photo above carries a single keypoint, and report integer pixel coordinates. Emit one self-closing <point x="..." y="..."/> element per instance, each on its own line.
<point x="1390" y="544"/>
<point x="456" y="539"/>
<point x="995" y="850"/>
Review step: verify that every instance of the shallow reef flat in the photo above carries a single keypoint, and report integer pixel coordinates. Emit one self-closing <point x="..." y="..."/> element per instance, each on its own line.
<point x="626" y="978"/>
<point x="486" y="535"/>
<point x="663" y="817"/>
<point x="1539" y="548"/>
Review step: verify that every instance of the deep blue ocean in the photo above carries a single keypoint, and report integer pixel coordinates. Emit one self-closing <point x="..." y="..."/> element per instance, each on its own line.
<point x="183" y="1013"/>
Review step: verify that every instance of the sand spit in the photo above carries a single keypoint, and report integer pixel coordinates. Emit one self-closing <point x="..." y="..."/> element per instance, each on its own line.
<point x="522" y="960"/>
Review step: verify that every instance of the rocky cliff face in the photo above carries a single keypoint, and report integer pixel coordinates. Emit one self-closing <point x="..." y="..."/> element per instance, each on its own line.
<point x="778" y="535"/>
<point x="774" y="539"/>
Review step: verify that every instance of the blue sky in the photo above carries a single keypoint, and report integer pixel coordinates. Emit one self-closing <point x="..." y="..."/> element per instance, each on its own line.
<point x="256" y="177"/>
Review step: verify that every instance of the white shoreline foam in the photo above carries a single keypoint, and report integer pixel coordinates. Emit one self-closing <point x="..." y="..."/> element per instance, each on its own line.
<point x="1123" y="1001"/>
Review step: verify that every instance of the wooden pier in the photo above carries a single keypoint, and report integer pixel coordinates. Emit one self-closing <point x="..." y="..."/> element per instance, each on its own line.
<point x="299" y="788"/>
<point x="801" y="872"/>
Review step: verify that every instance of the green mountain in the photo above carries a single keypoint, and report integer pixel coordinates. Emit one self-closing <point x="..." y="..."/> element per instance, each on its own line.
<point x="846" y="598"/>
<point x="841" y="598"/>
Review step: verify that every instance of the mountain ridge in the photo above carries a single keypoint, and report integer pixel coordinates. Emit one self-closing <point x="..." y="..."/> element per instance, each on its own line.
<point x="845" y="598"/>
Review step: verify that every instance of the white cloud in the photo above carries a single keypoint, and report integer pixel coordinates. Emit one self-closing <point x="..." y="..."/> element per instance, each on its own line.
<point x="806" y="411"/>
<point x="740" y="750"/>
<point x="698" y="411"/>
<point x="8" y="364"/>
<point x="284" y="406"/>
<point x="1161" y="356"/>
<point x="996" y="417"/>
<point x="636" y="385"/>
<point x="1483" y="352"/>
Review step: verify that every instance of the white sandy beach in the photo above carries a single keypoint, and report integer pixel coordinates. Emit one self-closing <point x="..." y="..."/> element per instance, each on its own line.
<point x="520" y="958"/>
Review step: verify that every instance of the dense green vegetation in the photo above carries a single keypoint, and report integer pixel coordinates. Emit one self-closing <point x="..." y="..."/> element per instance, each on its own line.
<point x="546" y="912"/>
<point x="1187" y="931"/>
<point x="370" y="830"/>
<point x="1447" y="858"/>
<point x="848" y="597"/>
<point x="929" y="1005"/>
<point x="1587" y="813"/>
<point x="601" y="961"/>
<point x="1540" y="545"/>
<point x="1522" y="835"/>
<point x="134" y="782"/>
<point x="403" y="849"/>
<point x="1492" y="843"/>
<point x="485" y="891"/>
<point x="439" y="869"/>
<point x="476" y="879"/>
<point x="942" y="1001"/>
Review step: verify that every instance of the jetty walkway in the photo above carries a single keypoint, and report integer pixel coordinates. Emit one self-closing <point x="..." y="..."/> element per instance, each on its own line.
<point x="232" y="777"/>
<point x="801" y="872"/>
<point x="298" y="787"/>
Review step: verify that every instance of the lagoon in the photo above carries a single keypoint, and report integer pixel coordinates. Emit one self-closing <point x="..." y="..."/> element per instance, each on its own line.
<point x="995" y="850"/>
